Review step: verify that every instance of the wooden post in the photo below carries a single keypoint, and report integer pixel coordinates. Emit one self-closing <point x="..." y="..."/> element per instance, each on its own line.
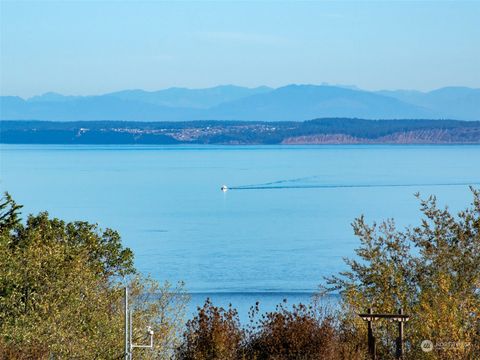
<point x="399" y="354"/>
<point x="370" y="317"/>
<point x="371" y="339"/>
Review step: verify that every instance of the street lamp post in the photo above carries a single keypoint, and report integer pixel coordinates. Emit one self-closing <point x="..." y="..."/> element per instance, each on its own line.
<point x="127" y="345"/>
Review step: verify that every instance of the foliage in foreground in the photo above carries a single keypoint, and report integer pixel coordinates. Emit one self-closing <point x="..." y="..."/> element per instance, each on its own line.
<point x="60" y="296"/>
<point x="298" y="332"/>
<point x="432" y="271"/>
<point x="61" y="292"/>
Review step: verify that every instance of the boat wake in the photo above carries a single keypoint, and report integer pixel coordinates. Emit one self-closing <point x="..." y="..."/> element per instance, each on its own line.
<point x="309" y="183"/>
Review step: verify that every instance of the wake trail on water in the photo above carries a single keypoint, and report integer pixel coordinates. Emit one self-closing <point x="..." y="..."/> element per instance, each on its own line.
<point x="297" y="184"/>
<point x="278" y="182"/>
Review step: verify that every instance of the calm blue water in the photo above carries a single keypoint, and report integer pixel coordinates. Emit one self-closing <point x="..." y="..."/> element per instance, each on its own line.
<point x="282" y="228"/>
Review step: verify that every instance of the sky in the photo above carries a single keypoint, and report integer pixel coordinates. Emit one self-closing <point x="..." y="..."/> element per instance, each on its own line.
<point x="92" y="47"/>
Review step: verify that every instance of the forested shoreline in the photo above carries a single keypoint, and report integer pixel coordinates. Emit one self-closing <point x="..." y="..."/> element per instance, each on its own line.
<point x="318" y="131"/>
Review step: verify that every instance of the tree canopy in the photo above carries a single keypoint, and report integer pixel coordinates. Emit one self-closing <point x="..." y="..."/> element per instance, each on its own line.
<point x="431" y="270"/>
<point x="61" y="291"/>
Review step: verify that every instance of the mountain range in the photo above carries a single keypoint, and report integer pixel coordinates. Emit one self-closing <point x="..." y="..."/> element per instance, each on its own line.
<point x="287" y="103"/>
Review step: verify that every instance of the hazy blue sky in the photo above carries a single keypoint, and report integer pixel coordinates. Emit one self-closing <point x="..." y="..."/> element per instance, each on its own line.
<point x="93" y="47"/>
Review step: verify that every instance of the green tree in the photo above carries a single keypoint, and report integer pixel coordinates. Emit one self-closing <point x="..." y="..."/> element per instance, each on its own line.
<point x="432" y="271"/>
<point x="61" y="292"/>
<point x="9" y="213"/>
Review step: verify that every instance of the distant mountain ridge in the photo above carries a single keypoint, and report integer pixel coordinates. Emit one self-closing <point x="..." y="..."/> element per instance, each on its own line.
<point x="458" y="102"/>
<point x="229" y="102"/>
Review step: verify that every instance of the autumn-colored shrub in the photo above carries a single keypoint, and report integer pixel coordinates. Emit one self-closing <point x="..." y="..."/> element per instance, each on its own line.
<point x="297" y="332"/>
<point x="213" y="334"/>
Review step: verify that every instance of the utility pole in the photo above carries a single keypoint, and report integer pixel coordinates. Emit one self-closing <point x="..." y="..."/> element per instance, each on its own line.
<point x="129" y="345"/>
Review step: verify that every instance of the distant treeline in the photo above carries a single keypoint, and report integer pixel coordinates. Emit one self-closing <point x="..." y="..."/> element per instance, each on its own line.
<point x="318" y="131"/>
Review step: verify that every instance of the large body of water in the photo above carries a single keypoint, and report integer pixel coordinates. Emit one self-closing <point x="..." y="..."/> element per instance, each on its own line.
<point x="283" y="226"/>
